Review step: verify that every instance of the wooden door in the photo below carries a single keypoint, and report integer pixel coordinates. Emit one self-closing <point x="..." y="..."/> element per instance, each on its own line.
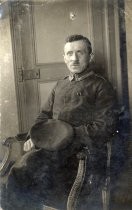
<point x="39" y="29"/>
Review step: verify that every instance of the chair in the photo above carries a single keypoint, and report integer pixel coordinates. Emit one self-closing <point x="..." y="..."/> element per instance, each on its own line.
<point x="75" y="190"/>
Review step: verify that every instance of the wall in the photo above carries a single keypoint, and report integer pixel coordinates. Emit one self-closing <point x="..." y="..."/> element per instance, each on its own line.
<point x="9" y="120"/>
<point x="123" y="193"/>
<point x="128" y="19"/>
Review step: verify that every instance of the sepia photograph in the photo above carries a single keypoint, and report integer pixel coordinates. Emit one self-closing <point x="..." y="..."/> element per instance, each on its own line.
<point x="65" y="105"/>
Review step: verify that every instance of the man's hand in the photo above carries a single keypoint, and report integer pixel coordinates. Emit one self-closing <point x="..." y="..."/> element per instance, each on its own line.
<point x="28" y="145"/>
<point x="81" y="134"/>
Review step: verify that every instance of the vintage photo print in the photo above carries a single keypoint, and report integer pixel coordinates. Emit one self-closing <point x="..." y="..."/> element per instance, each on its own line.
<point x="65" y="104"/>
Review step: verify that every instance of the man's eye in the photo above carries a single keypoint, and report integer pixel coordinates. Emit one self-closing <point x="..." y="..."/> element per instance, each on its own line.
<point x="80" y="53"/>
<point x="69" y="53"/>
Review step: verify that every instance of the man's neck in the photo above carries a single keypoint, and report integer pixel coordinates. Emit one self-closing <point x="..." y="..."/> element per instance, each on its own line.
<point x="81" y="75"/>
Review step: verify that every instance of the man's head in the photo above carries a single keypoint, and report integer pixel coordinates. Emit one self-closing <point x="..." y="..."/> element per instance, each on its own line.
<point x="77" y="51"/>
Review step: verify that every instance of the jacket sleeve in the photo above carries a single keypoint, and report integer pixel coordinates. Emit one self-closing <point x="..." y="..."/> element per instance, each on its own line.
<point x="47" y="110"/>
<point x="103" y="117"/>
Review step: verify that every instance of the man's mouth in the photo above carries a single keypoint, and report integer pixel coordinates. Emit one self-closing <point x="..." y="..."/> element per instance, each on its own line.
<point x="75" y="64"/>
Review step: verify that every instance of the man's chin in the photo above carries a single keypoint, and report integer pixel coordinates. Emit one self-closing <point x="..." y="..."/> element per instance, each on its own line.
<point x="75" y="70"/>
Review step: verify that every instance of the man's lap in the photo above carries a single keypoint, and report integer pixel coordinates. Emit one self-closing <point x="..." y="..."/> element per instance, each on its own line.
<point x="42" y="180"/>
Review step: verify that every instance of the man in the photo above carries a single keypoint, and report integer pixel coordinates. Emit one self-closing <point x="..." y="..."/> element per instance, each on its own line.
<point x="86" y="101"/>
<point x="83" y="99"/>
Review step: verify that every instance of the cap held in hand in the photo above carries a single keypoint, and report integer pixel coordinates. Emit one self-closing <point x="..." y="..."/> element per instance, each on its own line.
<point x="52" y="135"/>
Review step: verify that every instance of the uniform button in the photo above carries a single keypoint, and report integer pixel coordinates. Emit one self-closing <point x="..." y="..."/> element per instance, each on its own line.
<point x="79" y="94"/>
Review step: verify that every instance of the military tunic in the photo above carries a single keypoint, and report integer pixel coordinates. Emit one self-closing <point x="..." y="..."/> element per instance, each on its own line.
<point x="88" y="100"/>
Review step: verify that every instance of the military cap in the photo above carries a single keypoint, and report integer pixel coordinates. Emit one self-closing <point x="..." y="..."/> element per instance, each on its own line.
<point x="52" y="135"/>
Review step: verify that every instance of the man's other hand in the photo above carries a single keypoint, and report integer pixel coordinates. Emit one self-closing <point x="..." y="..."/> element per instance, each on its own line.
<point x="28" y="145"/>
<point x="82" y="134"/>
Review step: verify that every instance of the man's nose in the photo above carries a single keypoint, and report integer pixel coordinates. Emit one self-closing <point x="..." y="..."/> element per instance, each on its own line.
<point x="74" y="57"/>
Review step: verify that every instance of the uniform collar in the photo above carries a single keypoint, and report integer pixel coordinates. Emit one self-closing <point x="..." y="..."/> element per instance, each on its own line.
<point x="81" y="76"/>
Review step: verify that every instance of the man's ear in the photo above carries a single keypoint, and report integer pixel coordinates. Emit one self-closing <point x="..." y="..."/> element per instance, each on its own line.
<point x="64" y="57"/>
<point x="91" y="59"/>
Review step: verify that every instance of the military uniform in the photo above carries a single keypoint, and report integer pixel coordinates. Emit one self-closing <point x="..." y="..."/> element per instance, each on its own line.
<point x="86" y="100"/>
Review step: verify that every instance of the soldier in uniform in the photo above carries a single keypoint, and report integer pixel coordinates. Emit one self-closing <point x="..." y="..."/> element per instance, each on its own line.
<point x="86" y="101"/>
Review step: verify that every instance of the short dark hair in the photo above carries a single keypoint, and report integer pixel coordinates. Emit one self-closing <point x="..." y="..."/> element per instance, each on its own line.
<point x="77" y="37"/>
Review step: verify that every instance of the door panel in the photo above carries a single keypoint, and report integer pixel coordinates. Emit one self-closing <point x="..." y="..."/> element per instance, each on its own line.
<point x="53" y="21"/>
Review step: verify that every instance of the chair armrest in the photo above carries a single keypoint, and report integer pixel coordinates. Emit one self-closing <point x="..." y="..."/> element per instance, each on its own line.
<point x="8" y="145"/>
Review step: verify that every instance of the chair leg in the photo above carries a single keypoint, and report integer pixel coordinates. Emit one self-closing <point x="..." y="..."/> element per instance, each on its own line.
<point x="77" y="185"/>
<point x="106" y="199"/>
<point x="106" y="189"/>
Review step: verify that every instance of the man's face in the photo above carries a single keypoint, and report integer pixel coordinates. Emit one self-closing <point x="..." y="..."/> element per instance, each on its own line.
<point x="76" y="56"/>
